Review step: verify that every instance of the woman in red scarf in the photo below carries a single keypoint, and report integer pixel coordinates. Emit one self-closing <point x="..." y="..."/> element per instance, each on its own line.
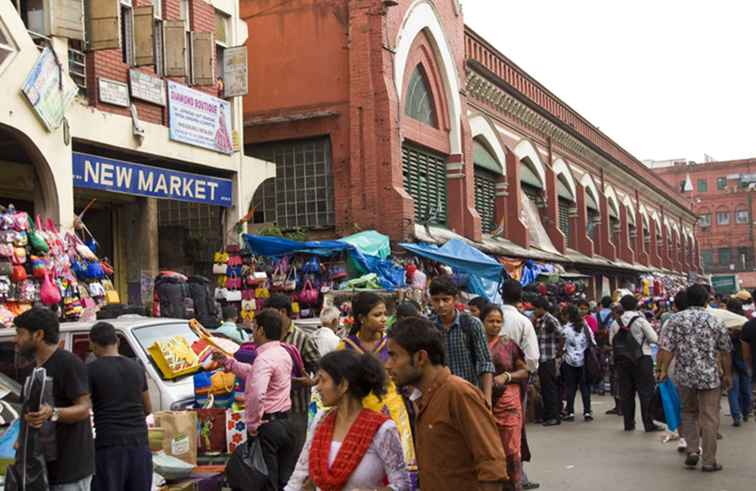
<point x="508" y="392"/>
<point x="351" y="447"/>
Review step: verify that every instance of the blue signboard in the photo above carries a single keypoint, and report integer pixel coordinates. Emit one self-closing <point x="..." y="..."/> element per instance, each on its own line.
<point x="117" y="176"/>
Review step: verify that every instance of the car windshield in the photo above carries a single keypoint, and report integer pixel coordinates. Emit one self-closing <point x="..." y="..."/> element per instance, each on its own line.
<point x="146" y="337"/>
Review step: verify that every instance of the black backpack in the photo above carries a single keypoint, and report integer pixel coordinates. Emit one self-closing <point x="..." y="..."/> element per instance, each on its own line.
<point x="625" y="346"/>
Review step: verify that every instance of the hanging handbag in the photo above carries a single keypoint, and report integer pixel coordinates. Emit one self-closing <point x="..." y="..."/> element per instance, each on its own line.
<point x="107" y="268"/>
<point x="220" y="268"/>
<point x="278" y="278"/>
<point x="233" y="295"/>
<point x="19" y="255"/>
<point x="19" y="273"/>
<point x="6" y="268"/>
<point x="37" y="238"/>
<point x="39" y="267"/>
<point x="94" y="270"/>
<point x="247" y="294"/>
<point x="312" y="266"/>
<point x="21" y="221"/>
<point x="6" y="250"/>
<point x="309" y="294"/>
<point x="256" y="278"/>
<point x="262" y="292"/>
<point x="337" y="271"/>
<point x="49" y="293"/>
<point x="21" y="239"/>
<point x="290" y="284"/>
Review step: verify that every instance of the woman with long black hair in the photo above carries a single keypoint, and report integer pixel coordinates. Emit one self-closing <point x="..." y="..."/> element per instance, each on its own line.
<point x="350" y="446"/>
<point x="577" y="338"/>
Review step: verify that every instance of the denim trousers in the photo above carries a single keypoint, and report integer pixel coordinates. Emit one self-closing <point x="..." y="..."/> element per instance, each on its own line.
<point x="740" y="396"/>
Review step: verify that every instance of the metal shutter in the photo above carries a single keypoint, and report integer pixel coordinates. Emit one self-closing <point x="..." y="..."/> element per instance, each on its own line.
<point x="425" y="180"/>
<point x="564" y="217"/>
<point x="485" y="198"/>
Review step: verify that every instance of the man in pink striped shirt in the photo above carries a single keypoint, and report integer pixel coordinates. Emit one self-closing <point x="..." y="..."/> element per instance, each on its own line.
<point x="267" y="396"/>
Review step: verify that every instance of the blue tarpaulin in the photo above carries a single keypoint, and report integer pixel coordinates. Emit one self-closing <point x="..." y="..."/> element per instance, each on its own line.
<point x="484" y="271"/>
<point x="390" y="275"/>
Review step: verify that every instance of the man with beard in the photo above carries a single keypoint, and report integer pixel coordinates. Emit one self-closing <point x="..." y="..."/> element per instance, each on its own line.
<point x="37" y="333"/>
<point x="456" y="439"/>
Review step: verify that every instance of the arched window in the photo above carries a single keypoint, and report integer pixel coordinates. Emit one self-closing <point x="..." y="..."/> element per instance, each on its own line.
<point x="487" y="172"/>
<point x="420" y="104"/>
<point x="264" y="202"/>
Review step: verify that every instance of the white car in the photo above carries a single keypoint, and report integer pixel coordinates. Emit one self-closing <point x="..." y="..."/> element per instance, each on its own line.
<point x="136" y="334"/>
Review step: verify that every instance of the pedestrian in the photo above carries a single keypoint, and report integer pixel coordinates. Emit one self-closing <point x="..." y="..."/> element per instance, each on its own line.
<point x="740" y="395"/>
<point x="408" y="308"/>
<point x="120" y="403"/>
<point x="37" y="336"/>
<point x="467" y="351"/>
<point x="301" y="386"/>
<point x="679" y="303"/>
<point x="267" y="396"/>
<point x="326" y="337"/>
<point x="367" y="336"/>
<point x="611" y="362"/>
<point x="476" y="306"/>
<point x="351" y="447"/>
<point x="577" y="339"/>
<point x="457" y="442"/>
<point x="550" y="344"/>
<point x="510" y="383"/>
<point x="516" y="326"/>
<point x="701" y="346"/>
<point x="519" y="328"/>
<point x="229" y="328"/>
<point x="631" y="337"/>
<point x="590" y="320"/>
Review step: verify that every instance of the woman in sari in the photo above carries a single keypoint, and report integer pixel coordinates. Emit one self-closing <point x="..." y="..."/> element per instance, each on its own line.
<point x="510" y="378"/>
<point x="367" y="336"/>
<point x="351" y="447"/>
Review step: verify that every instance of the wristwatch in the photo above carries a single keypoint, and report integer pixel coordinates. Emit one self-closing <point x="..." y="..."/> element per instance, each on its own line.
<point x="55" y="415"/>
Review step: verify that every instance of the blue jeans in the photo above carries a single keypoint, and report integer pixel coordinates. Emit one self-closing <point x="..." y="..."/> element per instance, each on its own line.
<point x="740" y="396"/>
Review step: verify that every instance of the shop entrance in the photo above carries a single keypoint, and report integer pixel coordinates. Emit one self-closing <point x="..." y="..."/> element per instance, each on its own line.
<point x="20" y="181"/>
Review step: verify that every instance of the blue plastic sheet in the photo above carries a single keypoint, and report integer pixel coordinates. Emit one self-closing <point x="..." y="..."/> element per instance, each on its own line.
<point x="485" y="272"/>
<point x="671" y="403"/>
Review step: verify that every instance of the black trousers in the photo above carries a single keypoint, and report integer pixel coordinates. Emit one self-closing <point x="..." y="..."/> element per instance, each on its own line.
<point x="636" y="378"/>
<point x="123" y="469"/>
<point x="278" y="450"/>
<point x="547" y="373"/>
<point x="576" y="377"/>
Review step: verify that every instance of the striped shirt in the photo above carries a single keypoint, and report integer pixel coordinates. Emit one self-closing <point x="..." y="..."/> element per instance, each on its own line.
<point x="308" y="347"/>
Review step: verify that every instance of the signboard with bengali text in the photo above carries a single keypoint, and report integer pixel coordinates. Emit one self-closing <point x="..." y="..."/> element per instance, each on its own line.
<point x="146" y="87"/>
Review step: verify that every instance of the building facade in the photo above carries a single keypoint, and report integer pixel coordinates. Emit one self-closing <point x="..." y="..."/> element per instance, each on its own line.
<point x="116" y="112"/>
<point x="721" y="195"/>
<point x="398" y="117"/>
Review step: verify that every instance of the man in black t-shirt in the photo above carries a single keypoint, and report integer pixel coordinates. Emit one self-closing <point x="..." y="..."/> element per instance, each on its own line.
<point x="37" y="332"/>
<point x="748" y="338"/>
<point x="121" y="402"/>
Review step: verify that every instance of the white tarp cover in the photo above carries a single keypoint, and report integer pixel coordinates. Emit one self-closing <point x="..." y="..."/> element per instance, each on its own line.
<point x="537" y="236"/>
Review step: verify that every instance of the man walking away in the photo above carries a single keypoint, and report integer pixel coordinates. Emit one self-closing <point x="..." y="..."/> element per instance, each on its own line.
<point x="467" y="350"/>
<point x="37" y="333"/>
<point x="701" y="346"/>
<point x="300" y="388"/>
<point x="516" y="326"/>
<point x="456" y="440"/>
<point x="631" y="337"/>
<point x="267" y="396"/>
<point x="550" y="344"/>
<point x="120" y="402"/>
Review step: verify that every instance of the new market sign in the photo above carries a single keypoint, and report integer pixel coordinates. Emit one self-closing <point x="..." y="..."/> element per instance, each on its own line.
<point x="93" y="172"/>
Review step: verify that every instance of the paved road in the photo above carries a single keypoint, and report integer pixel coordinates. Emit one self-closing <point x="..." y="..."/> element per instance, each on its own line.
<point x="600" y="456"/>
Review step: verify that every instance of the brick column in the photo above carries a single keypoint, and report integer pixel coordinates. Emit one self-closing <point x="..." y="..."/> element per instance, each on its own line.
<point x="625" y="250"/>
<point x="516" y="227"/>
<point x="605" y="246"/>
<point x="550" y="215"/>
<point x="458" y="199"/>
<point x="641" y="254"/>
<point x="655" y="258"/>
<point x="584" y="244"/>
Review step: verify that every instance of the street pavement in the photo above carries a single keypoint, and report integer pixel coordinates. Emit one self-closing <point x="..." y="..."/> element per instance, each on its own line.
<point x="582" y="456"/>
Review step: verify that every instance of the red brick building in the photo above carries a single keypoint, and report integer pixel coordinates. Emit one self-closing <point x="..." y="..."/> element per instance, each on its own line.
<point x="398" y="117"/>
<point x="721" y="195"/>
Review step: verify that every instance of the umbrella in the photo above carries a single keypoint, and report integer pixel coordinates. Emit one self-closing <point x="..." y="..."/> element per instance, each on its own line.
<point x="730" y="319"/>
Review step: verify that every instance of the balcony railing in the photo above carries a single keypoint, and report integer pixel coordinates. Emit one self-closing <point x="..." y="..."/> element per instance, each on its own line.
<point x="77" y="64"/>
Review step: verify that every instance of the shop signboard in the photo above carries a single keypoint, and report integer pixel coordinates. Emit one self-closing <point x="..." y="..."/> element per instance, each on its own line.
<point x="49" y="90"/>
<point x="94" y="172"/>
<point x="199" y="119"/>
<point x="146" y="87"/>
<point x="235" y="71"/>
<point x="113" y="92"/>
<point x="725" y="284"/>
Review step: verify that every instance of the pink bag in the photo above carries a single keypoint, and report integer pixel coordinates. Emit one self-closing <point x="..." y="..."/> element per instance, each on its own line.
<point x="309" y="294"/>
<point x="49" y="294"/>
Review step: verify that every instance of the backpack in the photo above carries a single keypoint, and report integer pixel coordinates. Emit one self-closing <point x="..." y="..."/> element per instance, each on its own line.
<point x="625" y="346"/>
<point x="593" y="369"/>
<point x="168" y="295"/>
<point x="205" y="310"/>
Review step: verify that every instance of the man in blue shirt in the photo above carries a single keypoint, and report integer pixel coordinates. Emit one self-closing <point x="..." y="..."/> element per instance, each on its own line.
<point x="230" y="328"/>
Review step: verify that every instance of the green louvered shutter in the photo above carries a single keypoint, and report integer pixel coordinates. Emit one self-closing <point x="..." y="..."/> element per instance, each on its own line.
<point x="485" y="198"/>
<point x="425" y="180"/>
<point x="564" y="216"/>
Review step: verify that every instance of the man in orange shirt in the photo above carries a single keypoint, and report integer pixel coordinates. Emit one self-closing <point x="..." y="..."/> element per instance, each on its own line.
<point x="456" y="439"/>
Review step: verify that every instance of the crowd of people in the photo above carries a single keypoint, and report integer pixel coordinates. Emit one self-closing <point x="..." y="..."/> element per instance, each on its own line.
<point x="434" y="396"/>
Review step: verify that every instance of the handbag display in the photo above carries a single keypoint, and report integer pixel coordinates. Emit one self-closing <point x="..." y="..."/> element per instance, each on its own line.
<point x="309" y="294"/>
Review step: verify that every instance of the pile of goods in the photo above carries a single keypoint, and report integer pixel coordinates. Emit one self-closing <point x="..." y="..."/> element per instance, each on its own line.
<point x="38" y="263"/>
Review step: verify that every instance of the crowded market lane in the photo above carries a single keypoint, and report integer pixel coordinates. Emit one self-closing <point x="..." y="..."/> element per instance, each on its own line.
<point x="599" y="455"/>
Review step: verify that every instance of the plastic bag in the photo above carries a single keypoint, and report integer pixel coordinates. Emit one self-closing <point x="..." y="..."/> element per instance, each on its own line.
<point x="246" y="469"/>
<point x="671" y="404"/>
<point x="8" y="440"/>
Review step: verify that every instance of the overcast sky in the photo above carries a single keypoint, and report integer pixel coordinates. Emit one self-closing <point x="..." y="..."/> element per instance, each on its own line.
<point x="663" y="78"/>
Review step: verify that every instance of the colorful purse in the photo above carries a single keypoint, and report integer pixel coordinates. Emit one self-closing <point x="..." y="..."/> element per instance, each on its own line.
<point x="37" y="238"/>
<point x="309" y="294"/>
<point x="19" y="273"/>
